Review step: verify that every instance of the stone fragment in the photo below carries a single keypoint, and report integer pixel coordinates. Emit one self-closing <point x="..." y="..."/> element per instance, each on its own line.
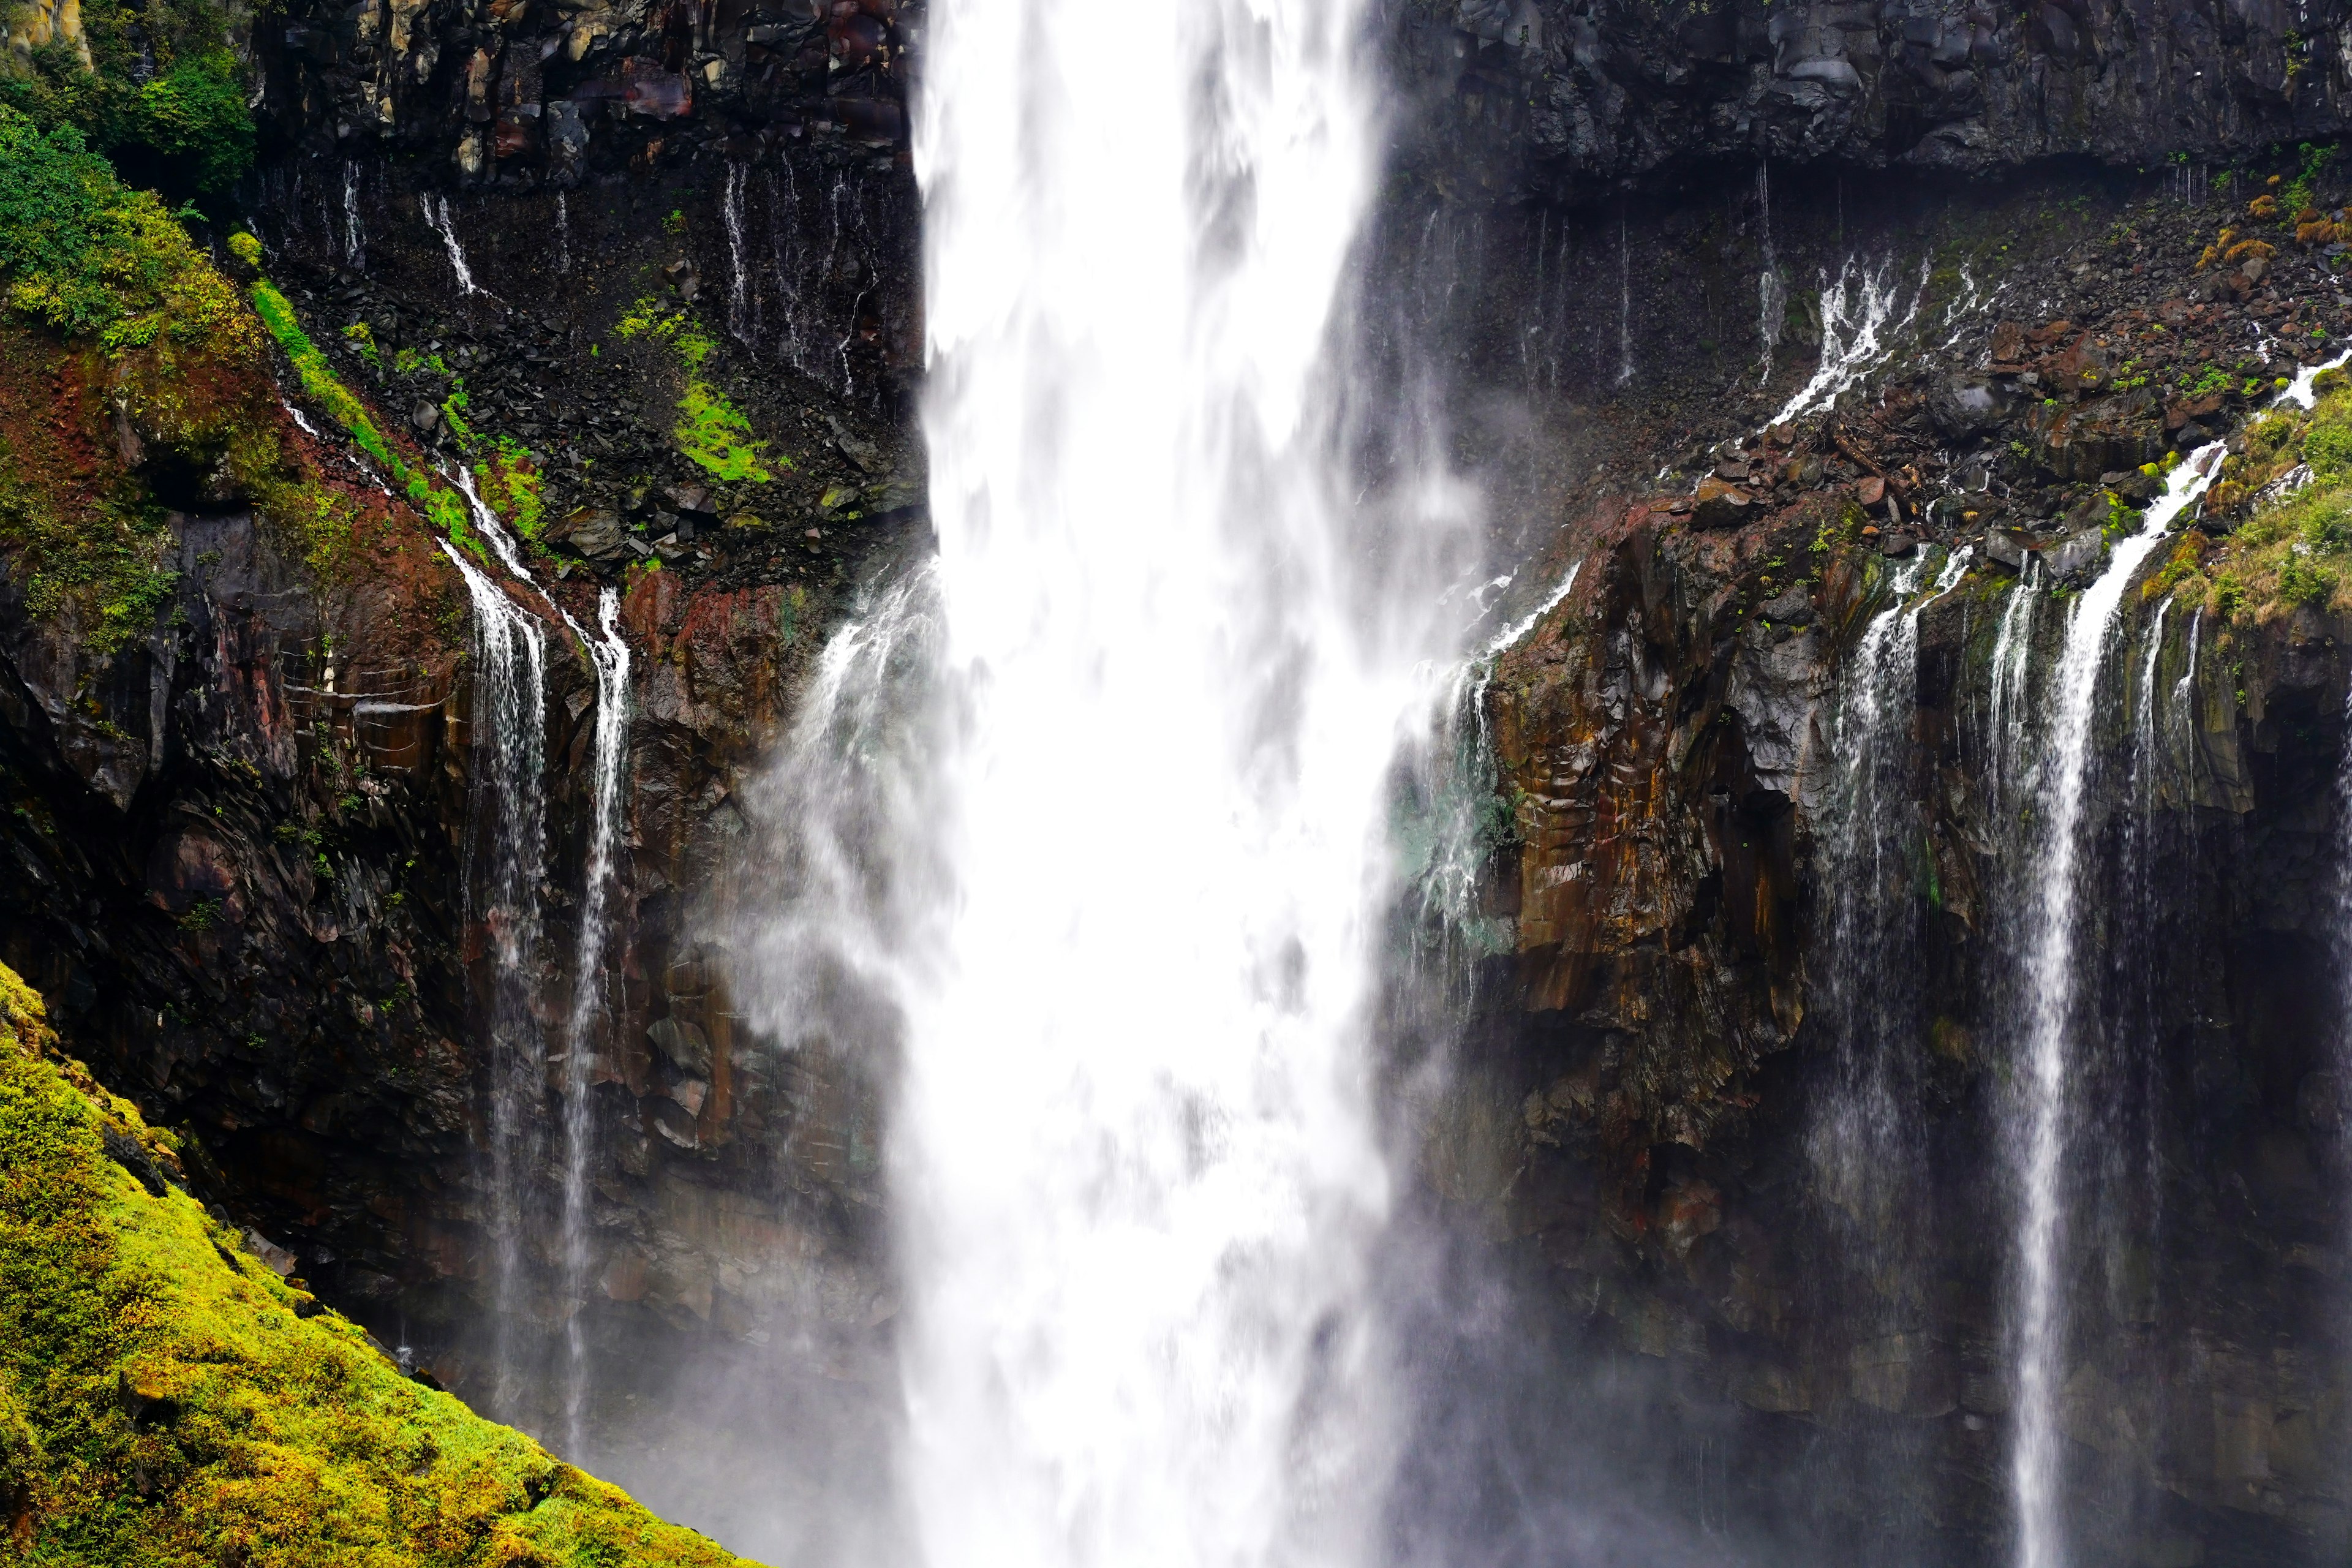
<point x="1871" y="490"/>
<point x="1720" y="505"/>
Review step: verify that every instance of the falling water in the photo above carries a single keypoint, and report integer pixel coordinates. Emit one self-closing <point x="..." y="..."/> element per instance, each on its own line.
<point x="1772" y="292"/>
<point x="436" y="219"/>
<point x="1863" y="1146"/>
<point x="505" y="849"/>
<point x="1136" y="1167"/>
<point x="1625" y="303"/>
<point x="2048" y="989"/>
<point x="608" y="653"/>
<point x="354" y="238"/>
<point x="590" y="996"/>
<point x="739" y="286"/>
<point x="1859" y="325"/>
<point x="562" y="234"/>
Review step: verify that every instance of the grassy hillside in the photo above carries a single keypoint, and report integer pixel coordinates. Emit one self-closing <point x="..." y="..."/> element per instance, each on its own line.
<point x="165" y="1399"/>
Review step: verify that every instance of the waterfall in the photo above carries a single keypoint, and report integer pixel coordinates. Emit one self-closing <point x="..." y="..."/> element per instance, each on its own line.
<point x="739" y="274"/>
<point x="609" y="651"/>
<point x="608" y="654"/>
<point x="562" y="234"/>
<point x="1859" y="326"/>
<point x="1625" y="303"/>
<point x="505" y="849"/>
<point x="1771" y="293"/>
<point x="1864" y="1147"/>
<point x="1135" y="1164"/>
<point x="436" y="219"/>
<point x="2045" y="1069"/>
<point x="354" y="238"/>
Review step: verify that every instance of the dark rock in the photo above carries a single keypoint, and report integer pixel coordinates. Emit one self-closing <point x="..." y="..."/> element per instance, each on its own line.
<point x="1965" y="404"/>
<point x="1719" y="505"/>
<point x="593" y="532"/>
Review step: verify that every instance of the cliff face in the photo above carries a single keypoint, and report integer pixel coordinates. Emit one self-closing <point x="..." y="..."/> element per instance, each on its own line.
<point x="241" y="804"/>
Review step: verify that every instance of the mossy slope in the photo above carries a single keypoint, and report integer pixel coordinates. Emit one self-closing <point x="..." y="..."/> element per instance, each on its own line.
<point x="166" y="1400"/>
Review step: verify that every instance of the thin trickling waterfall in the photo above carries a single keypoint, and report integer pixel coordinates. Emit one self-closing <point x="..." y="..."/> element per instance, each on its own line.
<point x="2046" y="1052"/>
<point x="354" y="236"/>
<point x="738" y="269"/>
<point x="608" y="654"/>
<point x="438" y="219"/>
<point x="1135" y="1239"/>
<point x="505" y="854"/>
<point x="1860" y="325"/>
<point x="563" y="234"/>
<point x="1771" y="291"/>
<point x="1625" y="303"/>
<point x="1864" y="1145"/>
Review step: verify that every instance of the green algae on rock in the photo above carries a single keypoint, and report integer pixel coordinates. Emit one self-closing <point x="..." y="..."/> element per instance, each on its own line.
<point x="165" y="1399"/>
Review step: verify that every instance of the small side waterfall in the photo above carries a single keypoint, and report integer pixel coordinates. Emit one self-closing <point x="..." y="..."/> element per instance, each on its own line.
<point x="1625" y="303"/>
<point x="562" y="234"/>
<point x="505" y="854"/>
<point x="354" y="236"/>
<point x="608" y="655"/>
<point x="1772" y="289"/>
<point x="591" y="995"/>
<point x="2046" y="1051"/>
<point x="438" y="219"/>
<point x="1860" y="324"/>
<point x="738" y="269"/>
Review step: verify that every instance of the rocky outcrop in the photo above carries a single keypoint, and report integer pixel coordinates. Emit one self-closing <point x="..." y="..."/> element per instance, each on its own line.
<point x="1571" y="102"/>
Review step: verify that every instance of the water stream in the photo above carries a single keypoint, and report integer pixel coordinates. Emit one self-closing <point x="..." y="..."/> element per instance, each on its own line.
<point x="2047" y="1051"/>
<point x="1136" y="1166"/>
<point x="505" y="854"/>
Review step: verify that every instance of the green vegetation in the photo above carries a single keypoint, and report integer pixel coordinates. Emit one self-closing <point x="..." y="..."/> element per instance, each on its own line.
<point x="166" y="1401"/>
<point x="159" y="92"/>
<point x="2288" y="552"/>
<point x="442" y="507"/>
<point x="712" y="431"/>
<point x="91" y="257"/>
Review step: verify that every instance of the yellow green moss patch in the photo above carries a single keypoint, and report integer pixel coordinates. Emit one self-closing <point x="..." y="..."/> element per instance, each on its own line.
<point x="166" y="1401"/>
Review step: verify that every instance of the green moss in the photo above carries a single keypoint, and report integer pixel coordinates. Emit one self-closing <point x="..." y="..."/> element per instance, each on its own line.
<point x="711" y="432"/>
<point x="168" y="1401"/>
<point x="443" y="508"/>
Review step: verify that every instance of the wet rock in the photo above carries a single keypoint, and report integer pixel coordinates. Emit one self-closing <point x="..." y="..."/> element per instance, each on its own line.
<point x="1792" y="608"/>
<point x="1718" y="504"/>
<point x="2074" y="557"/>
<point x="593" y="532"/>
<point x="684" y="1043"/>
<point x="1963" y="405"/>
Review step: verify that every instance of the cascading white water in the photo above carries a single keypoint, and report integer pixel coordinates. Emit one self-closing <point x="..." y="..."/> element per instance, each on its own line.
<point x="1771" y="291"/>
<point x="2048" y="989"/>
<point x="563" y="234"/>
<point x="608" y="654"/>
<point x="506" y="847"/>
<point x="590" y="995"/>
<point x="739" y="275"/>
<point x="438" y="219"/>
<point x="1859" y="328"/>
<point x="354" y="238"/>
<point x="1136" y="1170"/>
<point x="1625" y="303"/>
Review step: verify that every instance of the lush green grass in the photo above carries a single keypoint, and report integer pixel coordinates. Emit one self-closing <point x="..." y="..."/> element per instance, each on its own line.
<point x="2286" y="551"/>
<point x="166" y="1401"/>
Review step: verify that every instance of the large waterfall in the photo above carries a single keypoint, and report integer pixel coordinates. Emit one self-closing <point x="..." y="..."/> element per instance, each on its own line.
<point x="1135" y="1154"/>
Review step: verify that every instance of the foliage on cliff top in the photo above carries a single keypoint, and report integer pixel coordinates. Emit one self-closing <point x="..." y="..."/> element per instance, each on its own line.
<point x="2291" y="484"/>
<point x="153" y="84"/>
<point x="92" y="258"/>
<point x="166" y="1401"/>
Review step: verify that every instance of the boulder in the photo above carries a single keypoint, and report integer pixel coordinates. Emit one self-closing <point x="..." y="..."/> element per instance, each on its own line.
<point x="1718" y="504"/>
<point x="593" y="532"/>
<point x="1963" y="404"/>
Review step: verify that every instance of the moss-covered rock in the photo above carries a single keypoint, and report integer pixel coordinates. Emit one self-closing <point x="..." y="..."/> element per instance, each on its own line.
<point x="165" y="1399"/>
